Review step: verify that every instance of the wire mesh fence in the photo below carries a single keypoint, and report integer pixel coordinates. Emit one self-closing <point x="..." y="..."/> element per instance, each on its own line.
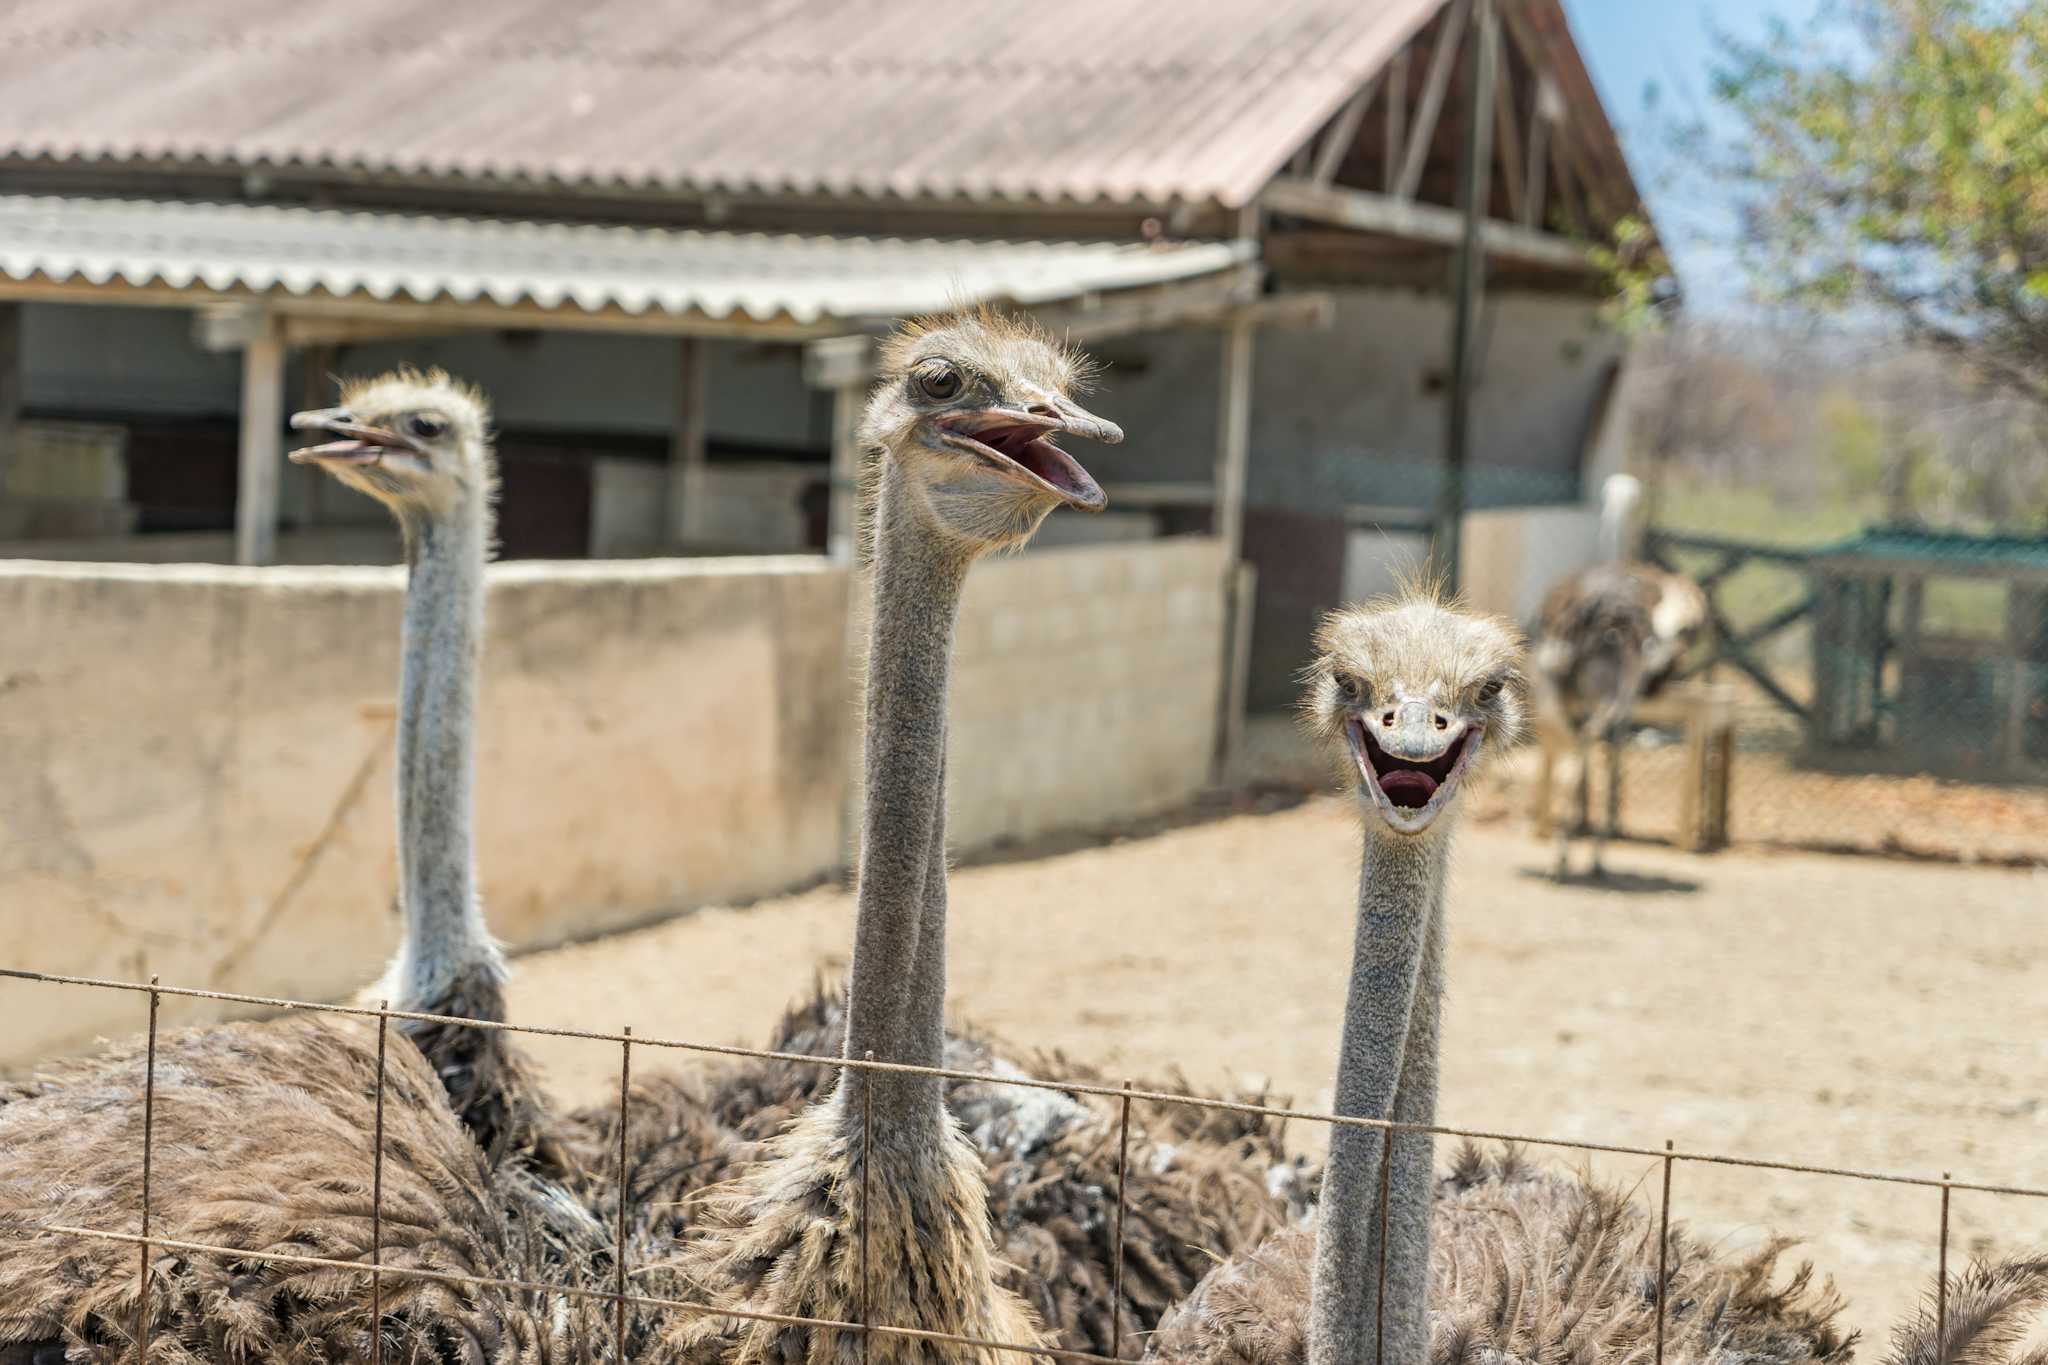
<point x="620" y="1296"/>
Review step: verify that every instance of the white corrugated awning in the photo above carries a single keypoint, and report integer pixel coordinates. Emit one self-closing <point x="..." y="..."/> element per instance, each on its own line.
<point x="216" y="249"/>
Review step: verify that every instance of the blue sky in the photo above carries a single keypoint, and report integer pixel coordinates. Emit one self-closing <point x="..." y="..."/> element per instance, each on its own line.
<point x="1630" y="44"/>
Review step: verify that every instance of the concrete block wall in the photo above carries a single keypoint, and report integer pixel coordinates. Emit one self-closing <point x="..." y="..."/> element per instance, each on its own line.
<point x="1085" y="687"/>
<point x="195" y="761"/>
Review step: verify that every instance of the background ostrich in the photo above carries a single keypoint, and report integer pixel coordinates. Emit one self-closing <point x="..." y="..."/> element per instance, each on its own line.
<point x="1417" y="694"/>
<point x="260" y="1128"/>
<point x="1607" y="637"/>
<point x="959" y="422"/>
<point x="420" y="444"/>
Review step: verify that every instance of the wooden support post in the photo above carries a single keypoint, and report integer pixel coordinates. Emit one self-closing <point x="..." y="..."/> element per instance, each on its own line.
<point x="1709" y="711"/>
<point x="1434" y="86"/>
<point x="686" y="460"/>
<point x="1549" y="109"/>
<point x="1470" y="286"/>
<point x="1343" y="132"/>
<point x="842" y="526"/>
<point x="10" y="392"/>
<point x="1397" y="120"/>
<point x="1508" y="136"/>
<point x="1241" y="595"/>
<point x="262" y="448"/>
<point x="1233" y="437"/>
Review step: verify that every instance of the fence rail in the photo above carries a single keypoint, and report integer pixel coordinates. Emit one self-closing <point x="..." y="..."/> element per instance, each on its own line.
<point x="1669" y="1156"/>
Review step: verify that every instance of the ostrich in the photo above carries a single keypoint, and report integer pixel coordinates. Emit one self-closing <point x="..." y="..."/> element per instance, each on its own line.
<point x="1607" y="637"/>
<point x="879" y="1169"/>
<point x="420" y="445"/>
<point x="262" y="1126"/>
<point x="1419" y="694"/>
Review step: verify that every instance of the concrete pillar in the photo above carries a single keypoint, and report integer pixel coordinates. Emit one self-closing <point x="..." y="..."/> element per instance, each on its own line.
<point x="256" y="492"/>
<point x="842" y="526"/>
<point x="686" y="468"/>
<point x="1233" y="437"/>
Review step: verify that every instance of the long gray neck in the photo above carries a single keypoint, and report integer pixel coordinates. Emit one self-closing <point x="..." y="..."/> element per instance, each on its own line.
<point x="1386" y="1069"/>
<point x="445" y="935"/>
<point x="895" y="1001"/>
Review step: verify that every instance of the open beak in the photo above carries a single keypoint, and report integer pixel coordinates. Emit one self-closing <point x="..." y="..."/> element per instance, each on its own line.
<point x="1411" y="768"/>
<point x="1016" y="441"/>
<point x="358" y="443"/>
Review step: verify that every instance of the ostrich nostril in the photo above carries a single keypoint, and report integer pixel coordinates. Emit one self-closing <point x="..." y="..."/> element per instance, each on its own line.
<point x="1042" y="410"/>
<point x="1443" y="723"/>
<point x="1388" y="720"/>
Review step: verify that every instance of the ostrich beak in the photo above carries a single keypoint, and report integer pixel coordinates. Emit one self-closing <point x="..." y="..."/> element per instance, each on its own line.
<point x="1410" y="767"/>
<point x="1013" y="439"/>
<point x="360" y="444"/>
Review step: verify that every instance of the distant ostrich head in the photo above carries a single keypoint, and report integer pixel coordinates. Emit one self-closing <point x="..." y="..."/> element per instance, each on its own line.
<point x="1416" y="690"/>
<point x="417" y="442"/>
<point x="966" y="406"/>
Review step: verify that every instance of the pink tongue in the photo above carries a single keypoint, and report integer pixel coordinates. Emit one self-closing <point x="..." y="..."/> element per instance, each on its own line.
<point x="1408" y="788"/>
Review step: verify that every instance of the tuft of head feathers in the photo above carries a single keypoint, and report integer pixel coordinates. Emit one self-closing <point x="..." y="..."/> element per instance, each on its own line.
<point x="409" y="384"/>
<point x="983" y="328"/>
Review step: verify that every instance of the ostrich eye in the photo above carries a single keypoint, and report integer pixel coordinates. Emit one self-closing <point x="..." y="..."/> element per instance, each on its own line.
<point x="1491" y="690"/>
<point x="1350" y="688"/>
<point x="939" y="381"/>
<point x="422" y="427"/>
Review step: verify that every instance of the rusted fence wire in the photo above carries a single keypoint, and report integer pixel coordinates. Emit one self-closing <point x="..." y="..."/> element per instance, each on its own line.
<point x="619" y="1297"/>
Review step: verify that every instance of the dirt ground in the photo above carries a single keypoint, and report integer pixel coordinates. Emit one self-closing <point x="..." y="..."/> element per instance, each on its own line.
<point x="1839" y="1011"/>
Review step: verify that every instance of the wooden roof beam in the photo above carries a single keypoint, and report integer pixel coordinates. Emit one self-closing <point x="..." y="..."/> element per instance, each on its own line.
<point x="1435" y="86"/>
<point x="1364" y="211"/>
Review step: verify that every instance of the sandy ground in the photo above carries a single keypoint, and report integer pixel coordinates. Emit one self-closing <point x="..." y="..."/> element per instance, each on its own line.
<point x="1839" y="1011"/>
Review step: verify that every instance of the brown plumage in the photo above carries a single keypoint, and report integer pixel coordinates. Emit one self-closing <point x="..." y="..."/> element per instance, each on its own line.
<point x="787" y="1241"/>
<point x="1203" y="1183"/>
<point x="262" y="1142"/>
<point x="1530" y="1266"/>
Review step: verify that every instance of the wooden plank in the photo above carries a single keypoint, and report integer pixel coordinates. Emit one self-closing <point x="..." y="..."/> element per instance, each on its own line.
<point x="1435" y="84"/>
<point x="262" y="450"/>
<point x="1368" y="212"/>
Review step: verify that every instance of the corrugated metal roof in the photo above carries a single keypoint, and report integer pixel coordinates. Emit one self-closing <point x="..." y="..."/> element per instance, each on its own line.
<point x="296" y="251"/>
<point x="1081" y="100"/>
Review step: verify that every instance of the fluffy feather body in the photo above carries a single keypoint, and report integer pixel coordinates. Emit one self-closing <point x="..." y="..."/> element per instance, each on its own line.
<point x="261" y="1143"/>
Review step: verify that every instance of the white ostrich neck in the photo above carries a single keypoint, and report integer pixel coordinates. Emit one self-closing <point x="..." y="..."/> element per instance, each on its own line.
<point x="1386" y="1069"/>
<point x="445" y="935"/>
<point x="896" y="995"/>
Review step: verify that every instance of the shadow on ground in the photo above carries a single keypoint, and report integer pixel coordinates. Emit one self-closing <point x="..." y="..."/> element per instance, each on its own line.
<point x="1620" y="883"/>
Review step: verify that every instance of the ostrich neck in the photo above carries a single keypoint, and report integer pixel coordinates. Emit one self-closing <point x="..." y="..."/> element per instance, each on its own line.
<point x="896" y="995"/>
<point x="445" y="935"/>
<point x="1386" y="1069"/>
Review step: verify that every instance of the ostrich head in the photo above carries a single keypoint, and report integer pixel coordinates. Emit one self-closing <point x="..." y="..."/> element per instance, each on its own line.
<point x="418" y="443"/>
<point x="965" y="408"/>
<point x="1415" y="691"/>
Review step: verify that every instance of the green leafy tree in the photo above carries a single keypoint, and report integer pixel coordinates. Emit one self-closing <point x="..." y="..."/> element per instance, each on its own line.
<point x="1894" y="157"/>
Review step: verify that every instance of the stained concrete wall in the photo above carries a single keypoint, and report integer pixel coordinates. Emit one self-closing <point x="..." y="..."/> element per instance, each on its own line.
<point x="195" y="771"/>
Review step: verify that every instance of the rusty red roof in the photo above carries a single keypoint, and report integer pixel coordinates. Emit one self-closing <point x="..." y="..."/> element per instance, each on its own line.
<point x="1140" y="101"/>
